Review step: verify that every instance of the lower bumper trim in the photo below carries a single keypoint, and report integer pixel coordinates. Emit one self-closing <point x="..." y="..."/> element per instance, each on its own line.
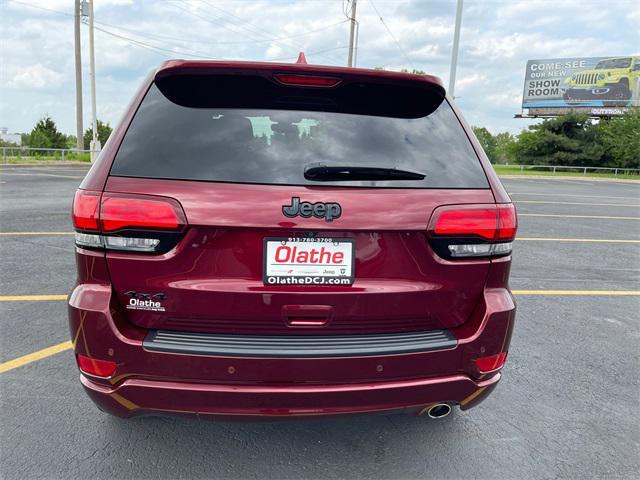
<point x="297" y="346"/>
<point x="137" y="396"/>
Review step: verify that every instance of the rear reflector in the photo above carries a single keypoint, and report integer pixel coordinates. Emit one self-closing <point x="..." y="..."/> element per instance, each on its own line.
<point x="489" y="364"/>
<point x="92" y="366"/>
<point x="119" y="212"/>
<point x="85" y="210"/>
<point x="306" y="80"/>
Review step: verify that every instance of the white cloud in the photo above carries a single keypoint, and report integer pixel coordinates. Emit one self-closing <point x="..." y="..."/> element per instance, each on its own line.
<point x="498" y="37"/>
<point x="35" y="76"/>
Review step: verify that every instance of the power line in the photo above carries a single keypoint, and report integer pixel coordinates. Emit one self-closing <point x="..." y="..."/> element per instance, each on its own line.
<point x="255" y="30"/>
<point x="155" y="48"/>
<point x="159" y="50"/>
<point x="43" y="8"/>
<point x="208" y="42"/>
<point x="187" y="52"/>
<point x="406" y="57"/>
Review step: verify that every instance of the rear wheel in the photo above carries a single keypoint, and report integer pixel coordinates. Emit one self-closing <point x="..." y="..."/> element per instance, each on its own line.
<point x="620" y="92"/>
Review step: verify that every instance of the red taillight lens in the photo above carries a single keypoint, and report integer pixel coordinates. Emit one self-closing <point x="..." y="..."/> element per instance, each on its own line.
<point x="123" y="211"/>
<point x="507" y="222"/>
<point x="306" y="80"/>
<point x="464" y="222"/>
<point x="85" y="210"/>
<point x="489" y="222"/>
<point x="489" y="364"/>
<point x="92" y="366"/>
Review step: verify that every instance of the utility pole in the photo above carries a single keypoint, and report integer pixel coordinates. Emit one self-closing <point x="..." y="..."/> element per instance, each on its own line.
<point x="454" y="53"/>
<point x="95" y="143"/>
<point x="354" y="4"/>
<point x="76" y="34"/>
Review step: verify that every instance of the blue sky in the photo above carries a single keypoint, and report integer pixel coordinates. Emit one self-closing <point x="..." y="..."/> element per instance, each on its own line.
<point x="37" y="62"/>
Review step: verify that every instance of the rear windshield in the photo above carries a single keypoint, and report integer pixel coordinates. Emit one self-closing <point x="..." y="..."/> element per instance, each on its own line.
<point x="168" y="140"/>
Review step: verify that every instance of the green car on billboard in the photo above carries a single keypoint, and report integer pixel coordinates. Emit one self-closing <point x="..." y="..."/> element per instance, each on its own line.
<point x="611" y="80"/>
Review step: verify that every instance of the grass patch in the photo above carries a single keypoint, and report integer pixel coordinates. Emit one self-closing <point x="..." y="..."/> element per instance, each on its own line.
<point x="49" y="158"/>
<point x="532" y="170"/>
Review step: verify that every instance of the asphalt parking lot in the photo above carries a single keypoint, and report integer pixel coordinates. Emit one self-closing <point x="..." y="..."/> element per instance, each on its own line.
<point x="568" y="405"/>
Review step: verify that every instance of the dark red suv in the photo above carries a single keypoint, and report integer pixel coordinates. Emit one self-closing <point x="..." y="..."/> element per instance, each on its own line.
<point x="261" y="239"/>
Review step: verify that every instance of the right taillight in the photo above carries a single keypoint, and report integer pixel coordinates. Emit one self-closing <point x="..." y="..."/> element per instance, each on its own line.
<point x="462" y="231"/>
<point x="140" y="223"/>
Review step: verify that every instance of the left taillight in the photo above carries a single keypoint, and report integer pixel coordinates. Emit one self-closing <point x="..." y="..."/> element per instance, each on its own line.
<point x="86" y="209"/>
<point x="463" y="231"/>
<point x="114" y="221"/>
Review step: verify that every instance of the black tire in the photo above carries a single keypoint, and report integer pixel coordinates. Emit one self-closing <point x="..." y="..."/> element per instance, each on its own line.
<point x="620" y="92"/>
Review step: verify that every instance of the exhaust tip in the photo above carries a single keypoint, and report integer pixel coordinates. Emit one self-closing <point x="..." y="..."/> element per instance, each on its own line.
<point x="439" y="410"/>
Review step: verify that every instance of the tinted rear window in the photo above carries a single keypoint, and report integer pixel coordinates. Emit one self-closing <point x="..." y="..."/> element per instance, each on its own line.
<point x="184" y="141"/>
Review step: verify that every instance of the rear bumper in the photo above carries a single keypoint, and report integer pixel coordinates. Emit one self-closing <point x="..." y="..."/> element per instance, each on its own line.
<point x="140" y="397"/>
<point x="148" y="381"/>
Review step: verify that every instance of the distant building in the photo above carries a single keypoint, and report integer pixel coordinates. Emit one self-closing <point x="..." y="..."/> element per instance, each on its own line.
<point x="10" y="137"/>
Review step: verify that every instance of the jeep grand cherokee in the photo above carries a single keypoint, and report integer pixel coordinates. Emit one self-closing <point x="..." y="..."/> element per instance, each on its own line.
<point x="261" y="239"/>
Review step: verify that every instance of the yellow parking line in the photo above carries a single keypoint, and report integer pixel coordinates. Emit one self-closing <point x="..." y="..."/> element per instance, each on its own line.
<point x="577" y="292"/>
<point x="36" y="233"/>
<point x="580" y="203"/>
<point x="585" y="240"/>
<point x="576" y="216"/>
<point x="35" y="356"/>
<point x="38" y="174"/>
<point x="31" y="298"/>
<point x="572" y="195"/>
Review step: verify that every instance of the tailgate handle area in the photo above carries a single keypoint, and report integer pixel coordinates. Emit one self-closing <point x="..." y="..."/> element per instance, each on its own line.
<point x="307" y="316"/>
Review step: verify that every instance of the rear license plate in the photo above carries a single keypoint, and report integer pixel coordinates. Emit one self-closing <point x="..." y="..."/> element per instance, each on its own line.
<point x="308" y="261"/>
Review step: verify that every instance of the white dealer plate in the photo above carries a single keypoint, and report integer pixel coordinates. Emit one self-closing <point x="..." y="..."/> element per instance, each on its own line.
<point x="308" y="261"/>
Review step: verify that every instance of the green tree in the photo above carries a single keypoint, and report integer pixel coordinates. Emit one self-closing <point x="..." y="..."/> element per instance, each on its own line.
<point x="6" y="143"/>
<point x="570" y="139"/>
<point x="504" y="146"/>
<point x="621" y="140"/>
<point x="414" y="71"/>
<point x="487" y="141"/>
<point x="104" y="130"/>
<point x="45" y="134"/>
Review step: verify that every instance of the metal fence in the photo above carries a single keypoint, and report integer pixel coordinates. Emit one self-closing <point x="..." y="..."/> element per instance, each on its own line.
<point x="580" y="170"/>
<point x="22" y="154"/>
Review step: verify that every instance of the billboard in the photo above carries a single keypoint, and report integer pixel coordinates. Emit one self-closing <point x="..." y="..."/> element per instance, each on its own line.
<point x="597" y="82"/>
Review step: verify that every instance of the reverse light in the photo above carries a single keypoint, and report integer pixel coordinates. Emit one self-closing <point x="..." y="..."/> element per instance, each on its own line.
<point x="306" y="80"/>
<point x="130" y="243"/>
<point x="93" y="366"/>
<point x="492" y="363"/>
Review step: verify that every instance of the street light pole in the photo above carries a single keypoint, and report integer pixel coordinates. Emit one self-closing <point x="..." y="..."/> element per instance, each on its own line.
<point x="454" y="53"/>
<point x="354" y="4"/>
<point x="76" y="37"/>
<point x="95" y="143"/>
